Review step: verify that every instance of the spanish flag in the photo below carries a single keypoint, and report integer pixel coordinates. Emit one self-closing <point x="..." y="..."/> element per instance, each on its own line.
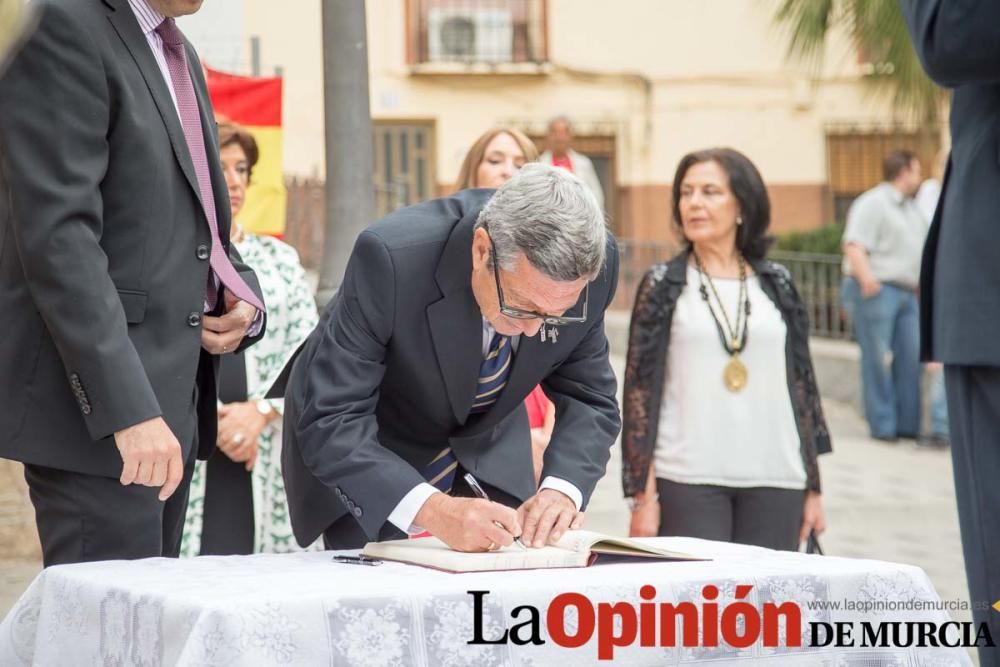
<point x="255" y="103"/>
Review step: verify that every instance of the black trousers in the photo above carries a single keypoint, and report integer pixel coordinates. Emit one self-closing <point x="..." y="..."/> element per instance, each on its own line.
<point x="974" y="420"/>
<point x="84" y="518"/>
<point x="759" y="516"/>
<point x="227" y="527"/>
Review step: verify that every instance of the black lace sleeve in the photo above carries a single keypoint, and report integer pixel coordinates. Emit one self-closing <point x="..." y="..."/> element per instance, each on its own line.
<point x="641" y="380"/>
<point x="805" y="394"/>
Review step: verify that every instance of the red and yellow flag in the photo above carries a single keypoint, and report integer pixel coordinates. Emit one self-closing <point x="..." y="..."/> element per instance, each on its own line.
<point x="255" y="103"/>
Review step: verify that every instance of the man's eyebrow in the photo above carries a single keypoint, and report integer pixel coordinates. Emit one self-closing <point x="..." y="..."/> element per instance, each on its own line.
<point x="521" y="300"/>
<point x="533" y="306"/>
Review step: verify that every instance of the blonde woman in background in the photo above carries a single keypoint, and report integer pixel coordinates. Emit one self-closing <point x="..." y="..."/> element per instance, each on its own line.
<point x="494" y="157"/>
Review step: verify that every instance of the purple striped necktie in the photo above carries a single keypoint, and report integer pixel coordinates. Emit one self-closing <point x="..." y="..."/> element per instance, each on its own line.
<point x="187" y="107"/>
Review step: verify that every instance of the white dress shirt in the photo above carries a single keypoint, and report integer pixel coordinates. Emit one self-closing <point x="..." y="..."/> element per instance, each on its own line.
<point x="149" y="20"/>
<point x="406" y="511"/>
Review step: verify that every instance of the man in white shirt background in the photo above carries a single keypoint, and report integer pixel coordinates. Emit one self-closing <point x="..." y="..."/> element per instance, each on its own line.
<point x="559" y="153"/>
<point x="882" y="245"/>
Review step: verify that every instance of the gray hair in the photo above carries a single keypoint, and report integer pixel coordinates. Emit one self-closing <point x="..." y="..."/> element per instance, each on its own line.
<point x="551" y="217"/>
<point x="559" y="117"/>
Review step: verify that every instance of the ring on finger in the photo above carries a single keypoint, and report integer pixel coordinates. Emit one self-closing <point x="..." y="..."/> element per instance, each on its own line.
<point x="238" y="438"/>
<point x="493" y="545"/>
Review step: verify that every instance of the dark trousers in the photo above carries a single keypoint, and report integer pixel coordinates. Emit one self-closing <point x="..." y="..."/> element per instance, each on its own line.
<point x="974" y="415"/>
<point x="760" y="516"/>
<point x="84" y="518"/>
<point x="346" y="533"/>
<point x="227" y="527"/>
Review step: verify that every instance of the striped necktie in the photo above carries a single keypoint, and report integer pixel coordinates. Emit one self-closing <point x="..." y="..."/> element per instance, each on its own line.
<point x="493" y="373"/>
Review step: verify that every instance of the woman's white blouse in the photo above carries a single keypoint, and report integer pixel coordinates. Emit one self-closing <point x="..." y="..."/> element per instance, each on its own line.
<point x="708" y="434"/>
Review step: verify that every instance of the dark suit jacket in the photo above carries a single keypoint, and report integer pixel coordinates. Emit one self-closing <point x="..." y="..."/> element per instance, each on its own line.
<point x="103" y="244"/>
<point x="387" y="379"/>
<point x="958" y="42"/>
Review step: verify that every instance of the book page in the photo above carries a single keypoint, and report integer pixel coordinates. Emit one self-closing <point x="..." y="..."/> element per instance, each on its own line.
<point x="584" y="541"/>
<point x="573" y="550"/>
<point x="432" y="552"/>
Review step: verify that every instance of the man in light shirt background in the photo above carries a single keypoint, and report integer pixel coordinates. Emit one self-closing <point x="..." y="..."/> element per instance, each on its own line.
<point x="883" y="243"/>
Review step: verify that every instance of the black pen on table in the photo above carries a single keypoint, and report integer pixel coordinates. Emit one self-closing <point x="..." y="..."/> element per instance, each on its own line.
<point x="478" y="490"/>
<point x="357" y="560"/>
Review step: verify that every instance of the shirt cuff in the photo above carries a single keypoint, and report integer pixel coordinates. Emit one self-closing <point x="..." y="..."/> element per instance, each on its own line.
<point x="406" y="511"/>
<point x="565" y="487"/>
<point x="255" y="326"/>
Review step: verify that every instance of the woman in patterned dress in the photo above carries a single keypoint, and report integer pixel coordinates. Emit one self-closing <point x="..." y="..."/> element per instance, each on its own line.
<point x="237" y="500"/>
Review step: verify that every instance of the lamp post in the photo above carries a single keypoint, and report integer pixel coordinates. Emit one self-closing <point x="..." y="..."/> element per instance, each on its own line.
<point x="350" y="193"/>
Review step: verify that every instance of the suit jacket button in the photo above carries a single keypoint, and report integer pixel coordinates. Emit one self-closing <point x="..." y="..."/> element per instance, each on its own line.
<point x="202" y="252"/>
<point x="357" y="511"/>
<point x="194" y="320"/>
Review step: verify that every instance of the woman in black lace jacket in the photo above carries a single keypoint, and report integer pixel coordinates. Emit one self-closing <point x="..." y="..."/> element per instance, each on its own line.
<point x="722" y="417"/>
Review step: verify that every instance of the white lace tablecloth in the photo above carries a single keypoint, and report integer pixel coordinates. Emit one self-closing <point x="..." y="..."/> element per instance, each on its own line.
<point x="304" y="609"/>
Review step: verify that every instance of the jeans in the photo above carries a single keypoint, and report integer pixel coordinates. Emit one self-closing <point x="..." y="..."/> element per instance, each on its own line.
<point x="939" y="404"/>
<point x="885" y="324"/>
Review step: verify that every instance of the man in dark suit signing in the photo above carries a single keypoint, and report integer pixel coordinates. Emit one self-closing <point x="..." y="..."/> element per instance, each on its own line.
<point x="959" y="45"/>
<point x="449" y="314"/>
<point x="115" y="282"/>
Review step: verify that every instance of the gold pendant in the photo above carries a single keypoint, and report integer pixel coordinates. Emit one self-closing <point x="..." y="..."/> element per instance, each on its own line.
<point x="735" y="374"/>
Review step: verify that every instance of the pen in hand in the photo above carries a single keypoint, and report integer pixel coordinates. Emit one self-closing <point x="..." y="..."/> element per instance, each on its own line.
<point x="478" y="490"/>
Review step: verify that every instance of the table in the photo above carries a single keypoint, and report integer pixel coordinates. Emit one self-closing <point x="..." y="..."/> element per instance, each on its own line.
<point x="304" y="609"/>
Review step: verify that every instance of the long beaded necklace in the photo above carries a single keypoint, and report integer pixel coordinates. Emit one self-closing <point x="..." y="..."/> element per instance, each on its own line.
<point x="735" y="374"/>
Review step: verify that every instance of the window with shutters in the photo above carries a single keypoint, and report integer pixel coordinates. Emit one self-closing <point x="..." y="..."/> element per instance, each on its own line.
<point x="404" y="164"/>
<point x="492" y="32"/>
<point x="855" y="154"/>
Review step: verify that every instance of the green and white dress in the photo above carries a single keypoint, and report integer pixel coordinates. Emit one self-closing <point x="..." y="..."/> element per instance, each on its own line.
<point x="291" y="317"/>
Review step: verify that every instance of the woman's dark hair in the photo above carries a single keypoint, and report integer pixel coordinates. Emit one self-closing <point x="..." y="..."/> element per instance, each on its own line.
<point x="748" y="188"/>
<point x="231" y="133"/>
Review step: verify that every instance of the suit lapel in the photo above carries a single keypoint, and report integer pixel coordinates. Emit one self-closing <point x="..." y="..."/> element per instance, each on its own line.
<point x="128" y="30"/>
<point x="455" y="321"/>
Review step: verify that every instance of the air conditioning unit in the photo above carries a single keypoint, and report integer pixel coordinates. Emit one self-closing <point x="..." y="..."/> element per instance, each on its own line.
<point x="471" y="35"/>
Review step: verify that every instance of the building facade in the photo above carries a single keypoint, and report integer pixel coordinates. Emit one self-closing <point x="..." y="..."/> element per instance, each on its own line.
<point x="645" y="81"/>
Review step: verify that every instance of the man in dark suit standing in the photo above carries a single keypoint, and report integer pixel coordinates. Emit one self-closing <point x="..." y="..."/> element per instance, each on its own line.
<point x="959" y="45"/>
<point x="419" y="367"/>
<point x="115" y="280"/>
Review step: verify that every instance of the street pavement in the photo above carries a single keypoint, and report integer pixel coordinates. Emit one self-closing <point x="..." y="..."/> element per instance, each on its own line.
<point x="889" y="502"/>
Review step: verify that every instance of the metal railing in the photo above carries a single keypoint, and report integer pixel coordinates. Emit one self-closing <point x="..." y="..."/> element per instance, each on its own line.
<point x="817" y="278"/>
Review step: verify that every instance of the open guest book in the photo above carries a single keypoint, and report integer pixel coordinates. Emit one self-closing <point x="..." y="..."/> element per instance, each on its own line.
<point x="577" y="548"/>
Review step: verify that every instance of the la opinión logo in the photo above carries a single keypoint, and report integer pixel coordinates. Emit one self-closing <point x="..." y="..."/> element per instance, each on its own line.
<point x="737" y="623"/>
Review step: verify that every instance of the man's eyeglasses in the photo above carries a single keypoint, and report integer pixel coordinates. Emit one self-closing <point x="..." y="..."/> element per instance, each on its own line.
<point x="518" y="314"/>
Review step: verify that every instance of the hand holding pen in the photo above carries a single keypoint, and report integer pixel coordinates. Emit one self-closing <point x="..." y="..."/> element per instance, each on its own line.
<point x="479" y="491"/>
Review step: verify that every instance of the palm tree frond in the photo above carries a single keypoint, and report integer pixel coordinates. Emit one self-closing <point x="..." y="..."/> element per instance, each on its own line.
<point x="877" y="32"/>
<point x="807" y="23"/>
